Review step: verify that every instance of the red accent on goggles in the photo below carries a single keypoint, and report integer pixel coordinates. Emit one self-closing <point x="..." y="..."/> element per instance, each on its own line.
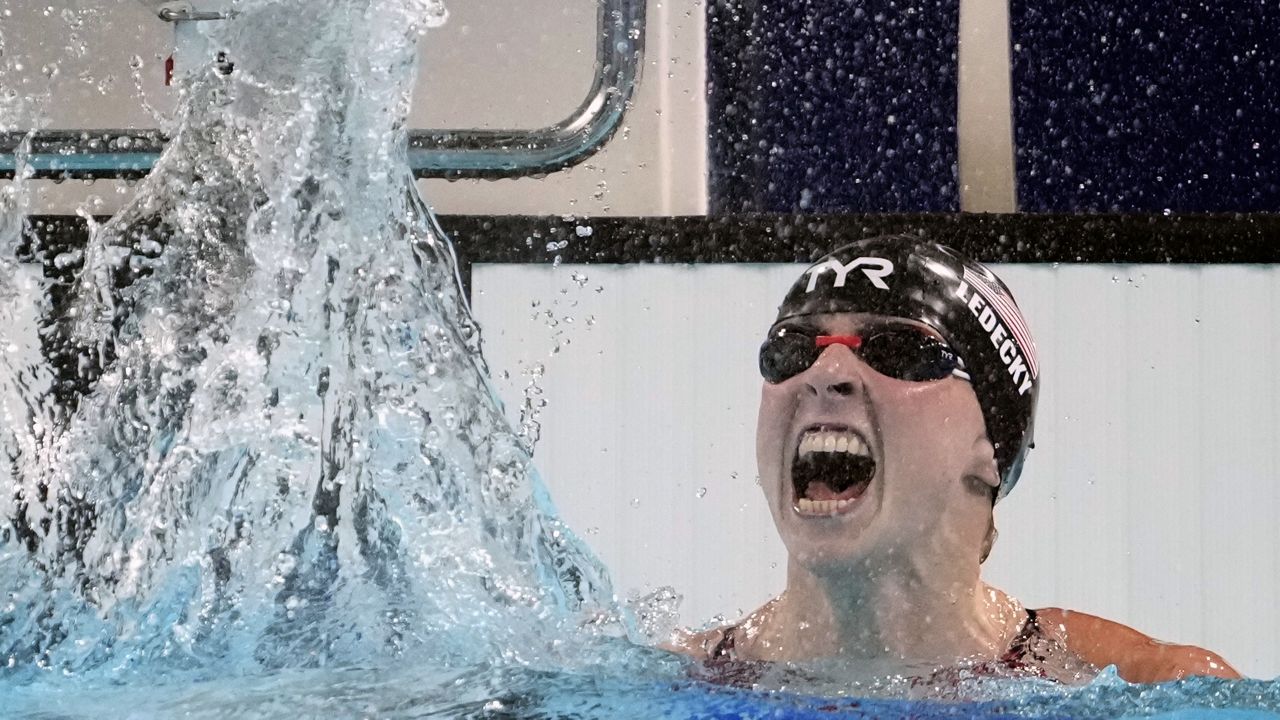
<point x="901" y="352"/>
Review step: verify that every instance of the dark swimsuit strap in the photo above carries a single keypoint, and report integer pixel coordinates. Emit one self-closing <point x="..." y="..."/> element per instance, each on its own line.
<point x="1021" y="649"/>
<point x="724" y="649"/>
<point x="1017" y="654"/>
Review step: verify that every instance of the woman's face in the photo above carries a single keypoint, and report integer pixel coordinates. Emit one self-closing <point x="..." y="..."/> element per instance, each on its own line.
<point x="857" y="465"/>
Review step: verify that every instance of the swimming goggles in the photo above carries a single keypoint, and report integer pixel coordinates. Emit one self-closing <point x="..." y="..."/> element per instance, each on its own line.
<point x="900" y="352"/>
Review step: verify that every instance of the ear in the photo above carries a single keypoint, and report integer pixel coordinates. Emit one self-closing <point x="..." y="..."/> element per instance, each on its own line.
<point x="982" y="464"/>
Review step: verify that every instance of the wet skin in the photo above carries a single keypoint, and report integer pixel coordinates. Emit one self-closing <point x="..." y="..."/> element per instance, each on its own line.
<point x="934" y="467"/>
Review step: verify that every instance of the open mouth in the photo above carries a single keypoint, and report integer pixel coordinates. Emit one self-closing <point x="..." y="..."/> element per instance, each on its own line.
<point x="831" y="471"/>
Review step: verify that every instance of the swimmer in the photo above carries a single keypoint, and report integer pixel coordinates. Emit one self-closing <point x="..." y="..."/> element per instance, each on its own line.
<point x="899" y="395"/>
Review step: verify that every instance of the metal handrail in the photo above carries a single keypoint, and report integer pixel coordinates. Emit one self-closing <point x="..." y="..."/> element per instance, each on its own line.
<point x="90" y="154"/>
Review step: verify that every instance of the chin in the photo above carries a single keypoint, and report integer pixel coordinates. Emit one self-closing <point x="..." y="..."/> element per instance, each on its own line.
<point x="826" y="556"/>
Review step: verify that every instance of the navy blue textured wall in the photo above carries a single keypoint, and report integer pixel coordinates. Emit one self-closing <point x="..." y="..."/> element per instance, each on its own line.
<point x="832" y="105"/>
<point x="1147" y="107"/>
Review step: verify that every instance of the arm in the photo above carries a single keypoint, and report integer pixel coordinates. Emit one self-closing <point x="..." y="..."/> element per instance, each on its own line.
<point x="1137" y="657"/>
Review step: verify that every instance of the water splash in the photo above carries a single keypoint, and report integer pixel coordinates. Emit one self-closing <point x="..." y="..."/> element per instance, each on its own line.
<point x="287" y="452"/>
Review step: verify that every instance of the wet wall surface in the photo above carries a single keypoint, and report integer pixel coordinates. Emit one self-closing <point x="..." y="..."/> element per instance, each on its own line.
<point x="832" y="105"/>
<point x="837" y="106"/>
<point x="1146" y="107"/>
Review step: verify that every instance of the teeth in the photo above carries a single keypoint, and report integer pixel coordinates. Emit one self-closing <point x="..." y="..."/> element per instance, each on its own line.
<point x="832" y="441"/>
<point x="823" y="507"/>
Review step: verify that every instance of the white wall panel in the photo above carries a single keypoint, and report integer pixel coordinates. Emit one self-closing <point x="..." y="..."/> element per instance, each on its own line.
<point x="648" y="441"/>
<point x="1150" y="497"/>
<point x="984" y="109"/>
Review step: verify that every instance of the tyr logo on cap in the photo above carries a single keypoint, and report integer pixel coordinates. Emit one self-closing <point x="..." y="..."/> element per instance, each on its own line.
<point x="876" y="269"/>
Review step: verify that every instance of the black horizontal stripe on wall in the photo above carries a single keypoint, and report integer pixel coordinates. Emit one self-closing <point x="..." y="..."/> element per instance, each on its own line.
<point x="786" y="238"/>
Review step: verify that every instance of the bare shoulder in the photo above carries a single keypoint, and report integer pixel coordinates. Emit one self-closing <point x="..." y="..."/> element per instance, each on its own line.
<point x="724" y="641"/>
<point x="1139" y="658"/>
<point x="700" y="645"/>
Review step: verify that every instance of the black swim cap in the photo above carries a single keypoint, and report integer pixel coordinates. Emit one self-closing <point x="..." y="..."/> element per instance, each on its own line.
<point x="965" y="302"/>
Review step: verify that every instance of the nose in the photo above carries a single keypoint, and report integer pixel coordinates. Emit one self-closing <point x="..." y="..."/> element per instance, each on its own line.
<point x="836" y="373"/>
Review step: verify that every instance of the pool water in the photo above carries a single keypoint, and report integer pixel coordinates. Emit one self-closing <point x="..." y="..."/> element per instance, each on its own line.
<point x="661" y="692"/>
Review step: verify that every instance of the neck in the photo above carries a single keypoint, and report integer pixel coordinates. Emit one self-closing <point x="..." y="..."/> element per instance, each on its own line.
<point x="901" y="612"/>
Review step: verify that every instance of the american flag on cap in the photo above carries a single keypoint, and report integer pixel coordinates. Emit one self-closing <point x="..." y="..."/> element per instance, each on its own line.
<point x="999" y="299"/>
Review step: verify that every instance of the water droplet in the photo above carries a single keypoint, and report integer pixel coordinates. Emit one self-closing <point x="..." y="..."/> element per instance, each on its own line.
<point x="65" y="260"/>
<point x="806" y="198"/>
<point x="702" y="492"/>
<point x="434" y="13"/>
